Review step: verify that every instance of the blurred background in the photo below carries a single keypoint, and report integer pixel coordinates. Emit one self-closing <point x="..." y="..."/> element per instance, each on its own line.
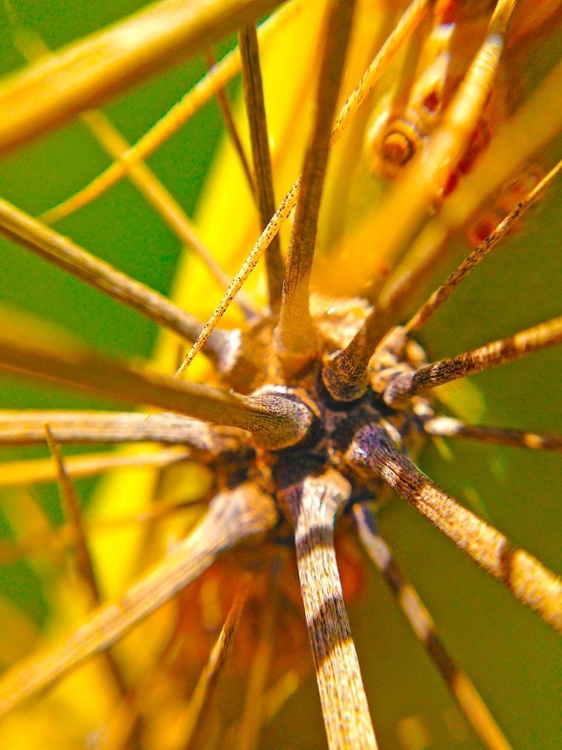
<point x="513" y="658"/>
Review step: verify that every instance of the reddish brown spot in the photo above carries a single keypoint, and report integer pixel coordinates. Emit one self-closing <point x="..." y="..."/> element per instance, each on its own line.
<point x="517" y="190"/>
<point x="478" y="143"/>
<point x="451" y="184"/>
<point x="383" y="270"/>
<point x="432" y="102"/>
<point x="485" y="225"/>
<point x="447" y="10"/>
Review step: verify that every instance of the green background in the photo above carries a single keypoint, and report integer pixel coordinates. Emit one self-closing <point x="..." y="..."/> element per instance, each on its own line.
<point x="513" y="658"/>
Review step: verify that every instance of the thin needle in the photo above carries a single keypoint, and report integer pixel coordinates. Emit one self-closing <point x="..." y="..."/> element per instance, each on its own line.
<point x="233" y="517"/>
<point x="23" y="229"/>
<point x="41" y="470"/>
<point x="295" y="336"/>
<point x="71" y="506"/>
<point x="50" y="92"/>
<point x="491" y="355"/>
<point x="207" y="683"/>
<point x="313" y="505"/>
<point x="26" y="427"/>
<point x="160" y="198"/>
<point x="450" y="427"/>
<point x="524" y="576"/>
<point x="170" y="123"/>
<point x="273" y="419"/>
<point x="261" y="157"/>
<point x="345" y="374"/>
<point x="154" y="191"/>
<point x="408" y="22"/>
<point x="84" y="562"/>
<point x="253" y="713"/>
<point x="479" y="253"/>
<point x="226" y="111"/>
<point x="412" y="198"/>
<point x="421" y="622"/>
